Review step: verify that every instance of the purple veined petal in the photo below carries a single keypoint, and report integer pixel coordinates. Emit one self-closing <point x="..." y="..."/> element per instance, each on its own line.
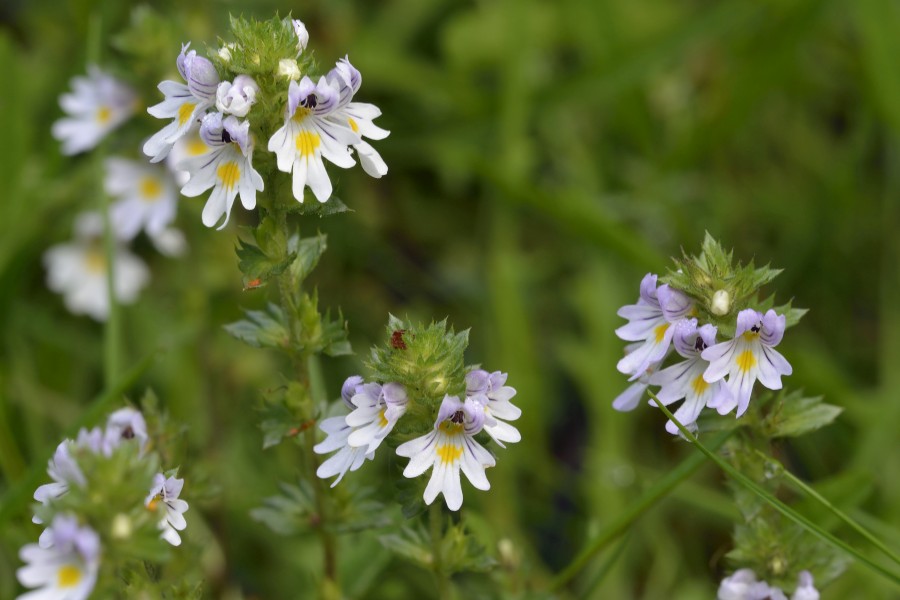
<point x="648" y="289"/>
<point x="719" y="358"/>
<point x="674" y="303"/>
<point x="636" y="362"/>
<point x="685" y="337"/>
<point x="212" y="129"/>
<point x="349" y="389"/>
<point x="772" y="365"/>
<point x="477" y="382"/>
<point x="675" y="381"/>
<point x="773" y="326"/>
<point x="298" y="92"/>
<point x="498" y="380"/>
<point x="643" y="320"/>
<point x="740" y="384"/>
<point x="475" y="416"/>
<point x="237" y="131"/>
<point x="367" y="395"/>
<point x="394" y="394"/>
<point x="746" y="320"/>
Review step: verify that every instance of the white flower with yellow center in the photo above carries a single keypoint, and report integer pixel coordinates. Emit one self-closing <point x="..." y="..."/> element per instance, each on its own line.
<point x="449" y="449"/>
<point x="98" y="104"/>
<point x="77" y="270"/>
<point x="358" y="115"/>
<point x="685" y="379"/>
<point x="67" y="568"/>
<point x="146" y="197"/>
<point x="375" y="410"/>
<point x="227" y="168"/>
<point x="185" y="103"/>
<point x="651" y="321"/>
<point x="751" y="355"/>
<point x="164" y="496"/>
<point x="308" y="136"/>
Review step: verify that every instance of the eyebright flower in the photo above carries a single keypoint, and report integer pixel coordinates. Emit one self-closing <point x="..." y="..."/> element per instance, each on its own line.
<point x="227" y="168"/>
<point x="805" y="588"/>
<point x="375" y="410"/>
<point x="490" y="390"/>
<point x="67" y="568"/>
<point x="685" y="379"/>
<point x="146" y="195"/>
<point x="98" y="104"/>
<point x="184" y="103"/>
<point x="236" y="98"/>
<point x="77" y="270"/>
<point x="751" y="355"/>
<point x="308" y="135"/>
<point x="187" y="146"/>
<point x="123" y="425"/>
<point x="165" y="492"/>
<point x="651" y="321"/>
<point x="631" y="397"/>
<point x="64" y="472"/>
<point x="449" y="448"/>
<point x="358" y="115"/>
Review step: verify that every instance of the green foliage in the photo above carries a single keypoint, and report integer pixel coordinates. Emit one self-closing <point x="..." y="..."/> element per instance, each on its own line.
<point x="721" y="288"/>
<point x="792" y="415"/>
<point x="262" y="328"/>
<point x="459" y="549"/>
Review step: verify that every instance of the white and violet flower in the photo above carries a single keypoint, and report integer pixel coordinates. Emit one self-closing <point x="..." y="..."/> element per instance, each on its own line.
<point x="375" y="410"/>
<point x="66" y="569"/>
<point x="97" y="104"/>
<point x="165" y="495"/>
<point x="227" y="168"/>
<point x="236" y="97"/>
<point x="189" y="145"/>
<point x="629" y="399"/>
<point x="302" y="35"/>
<point x="491" y="391"/>
<point x="685" y="379"/>
<point x="146" y="198"/>
<point x="308" y="136"/>
<point x="651" y="321"/>
<point x="743" y="585"/>
<point x="185" y="103"/>
<point x="751" y="355"/>
<point x="123" y="425"/>
<point x="449" y="449"/>
<point x="358" y="115"/>
<point x="64" y="471"/>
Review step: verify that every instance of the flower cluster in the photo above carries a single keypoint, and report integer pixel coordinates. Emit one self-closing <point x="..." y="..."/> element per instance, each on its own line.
<point x="664" y="318"/>
<point x="449" y="447"/>
<point x="743" y="585"/>
<point x="65" y="562"/>
<point x="320" y="121"/>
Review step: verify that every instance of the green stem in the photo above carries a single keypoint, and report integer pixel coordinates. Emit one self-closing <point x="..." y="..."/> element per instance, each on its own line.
<point x="834" y="509"/>
<point x="775" y="502"/>
<point x="648" y="500"/>
<point x="112" y="345"/>
<point x="308" y="373"/>
<point x="436" y="526"/>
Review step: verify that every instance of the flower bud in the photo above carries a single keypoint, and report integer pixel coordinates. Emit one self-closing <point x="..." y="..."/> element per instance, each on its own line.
<point x="302" y="35"/>
<point x="121" y="527"/>
<point x="236" y="98"/>
<point x="289" y="69"/>
<point x="721" y="303"/>
<point x="199" y="73"/>
<point x="225" y="52"/>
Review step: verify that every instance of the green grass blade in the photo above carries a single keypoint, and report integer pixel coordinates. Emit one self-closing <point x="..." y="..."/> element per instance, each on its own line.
<point x="648" y="500"/>
<point x="776" y="503"/>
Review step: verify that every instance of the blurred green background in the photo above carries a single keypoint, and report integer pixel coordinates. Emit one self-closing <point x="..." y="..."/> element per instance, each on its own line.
<point x="543" y="157"/>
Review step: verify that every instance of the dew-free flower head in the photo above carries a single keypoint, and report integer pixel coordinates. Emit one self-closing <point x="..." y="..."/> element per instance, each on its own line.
<point x="308" y="136"/>
<point x="751" y="355"/>
<point x="146" y="198"/>
<point x="98" y="104"/>
<point x="236" y="97"/>
<point x="301" y="33"/>
<point x="491" y="391"/>
<point x="164" y="497"/>
<point x="227" y="168"/>
<point x="448" y="449"/>
<point x="185" y="103"/>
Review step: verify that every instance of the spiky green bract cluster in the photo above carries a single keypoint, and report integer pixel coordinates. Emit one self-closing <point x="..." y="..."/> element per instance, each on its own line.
<point x="775" y="548"/>
<point x="722" y="289"/>
<point x="460" y="551"/>
<point x="428" y="361"/>
<point x="257" y="49"/>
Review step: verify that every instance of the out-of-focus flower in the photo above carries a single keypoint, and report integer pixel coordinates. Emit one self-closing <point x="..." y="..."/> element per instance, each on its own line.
<point x="98" y="104"/>
<point x="123" y="425"/>
<point x="67" y="568"/>
<point x="165" y="494"/>
<point x="64" y="472"/>
<point x="146" y="198"/>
